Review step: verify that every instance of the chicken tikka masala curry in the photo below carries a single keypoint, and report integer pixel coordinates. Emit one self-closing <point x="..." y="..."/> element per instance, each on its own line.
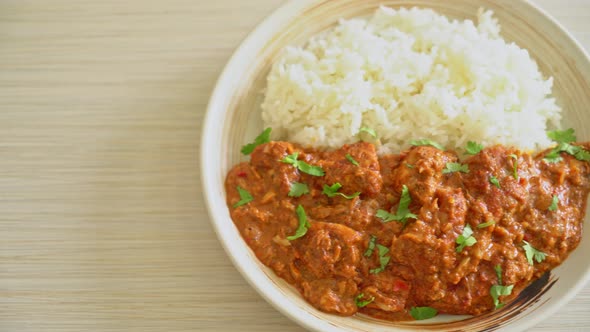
<point x="410" y="235"/>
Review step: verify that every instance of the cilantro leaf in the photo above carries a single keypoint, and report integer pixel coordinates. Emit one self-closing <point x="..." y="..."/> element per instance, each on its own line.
<point x="332" y="191"/>
<point x="582" y="155"/>
<point x="309" y="169"/>
<point x="531" y="253"/>
<point x="554" y="202"/>
<point x="351" y="159"/>
<point x="302" y="165"/>
<point x="496" y="291"/>
<point x="421" y="313"/>
<point x="494" y="180"/>
<point x="455" y="167"/>
<point x="291" y="159"/>
<point x="369" y="131"/>
<point x="385" y="216"/>
<point x="574" y="150"/>
<point x="486" y="224"/>
<point x="562" y="136"/>
<point x="371" y="246"/>
<point x="383" y="250"/>
<point x="359" y="300"/>
<point x="303" y="224"/>
<point x="383" y="260"/>
<point x="515" y="167"/>
<point x="539" y="256"/>
<point x="403" y="212"/>
<point x="553" y="157"/>
<point x="465" y="239"/>
<point x="264" y="137"/>
<point x="298" y="189"/>
<point x="245" y="197"/>
<point x="409" y="165"/>
<point x="421" y="142"/>
<point x="577" y="151"/>
<point x="473" y="148"/>
<point x="498" y="270"/>
<point x="568" y="148"/>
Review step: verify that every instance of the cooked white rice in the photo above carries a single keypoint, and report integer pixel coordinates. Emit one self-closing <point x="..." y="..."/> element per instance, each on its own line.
<point x="410" y="74"/>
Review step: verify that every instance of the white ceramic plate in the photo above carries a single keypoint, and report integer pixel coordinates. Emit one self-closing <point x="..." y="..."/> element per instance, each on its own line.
<point x="233" y="118"/>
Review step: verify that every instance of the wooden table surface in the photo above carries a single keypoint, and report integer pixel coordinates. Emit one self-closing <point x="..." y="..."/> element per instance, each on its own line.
<point x="102" y="221"/>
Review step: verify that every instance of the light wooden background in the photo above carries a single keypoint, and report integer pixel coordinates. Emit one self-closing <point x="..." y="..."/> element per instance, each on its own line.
<point x="102" y="220"/>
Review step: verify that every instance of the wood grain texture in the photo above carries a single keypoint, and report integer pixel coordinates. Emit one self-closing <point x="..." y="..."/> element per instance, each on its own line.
<point x="102" y="217"/>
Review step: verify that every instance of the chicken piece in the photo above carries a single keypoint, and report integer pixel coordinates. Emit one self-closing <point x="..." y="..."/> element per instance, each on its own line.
<point x="328" y="249"/>
<point x="363" y="178"/>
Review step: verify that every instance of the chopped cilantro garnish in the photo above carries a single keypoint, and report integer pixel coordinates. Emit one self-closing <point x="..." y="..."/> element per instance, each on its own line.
<point x="298" y="189"/>
<point x="455" y="167"/>
<point x="362" y="303"/>
<point x="245" y="197"/>
<point x="473" y="148"/>
<point x="403" y="212"/>
<point x="531" y="253"/>
<point x="554" y="202"/>
<point x="303" y="224"/>
<point x="494" y="180"/>
<point x="421" y="313"/>
<point x="568" y="148"/>
<point x="385" y="216"/>
<point x="264" y="137"/>
<point x="582" y="155"/>
<point x="291" y="159"/>
<point x="371" y="246"/>
<point x="498" y="270"/>
<point x="302" y="165"/>
<point x="369" y="131"/>
<point x="562" y="136"/>
<point x="466" y="239"/>
<point x="498" y="290"/>
<point x="421" y="142"/>
<point x="332" y="191"/>
<point x="409" y="165"/>
<point x="309" y="169"/>
<point x="486" y="224"/>
<point x="383" y="260"/>
<point x="351" y="159"/>
<point x="515" y="167"/>
<point x="553" y="156"/>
